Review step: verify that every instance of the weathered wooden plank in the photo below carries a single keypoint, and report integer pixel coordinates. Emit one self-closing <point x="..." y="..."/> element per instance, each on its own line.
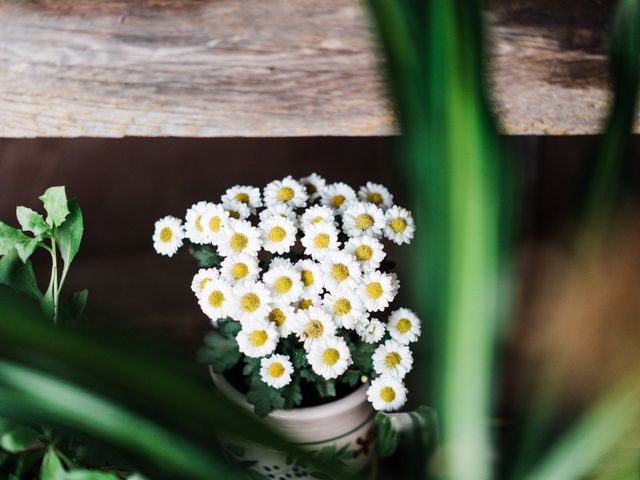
<point x="278" y="68"/>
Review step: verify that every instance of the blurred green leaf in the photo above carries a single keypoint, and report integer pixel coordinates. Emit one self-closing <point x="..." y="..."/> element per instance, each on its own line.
<point x="205" y="255"/>
<point x="74" y="306"/>
<point x="31" y="221"/>
<point x="90" y="475"/>
<point x="69" y="235"/>
<point x="19" y="438"/>
<point x="11" y="238"/>
<point x="220" y="348"/>
<point x="55" y="203"/>
<point x="386" y="436"/>
<point x="19" y="275"/>
<point x="52" y="468"/>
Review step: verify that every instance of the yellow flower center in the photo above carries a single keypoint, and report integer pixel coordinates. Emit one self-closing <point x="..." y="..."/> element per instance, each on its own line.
<point x="374" y="290"/>
<point x="392" y="359"/>
<point x="277" y="316"/>
<point x="321" y="240"/>
<point x="198" y="224"/>
<point x="364" y="253"/>
<point x="239" y="271"/>
<point x="305" y="303"/>
<point x="340" y="272"/>
<point x="257" y="338"/>
<point x="275" y="370"/>
<point x="282" y="284"/>
<point x="242" y="197"/>
<point x="216" y="298"/>
<point x="374" y="197"/>
<point x="403" y="325"/>
<point x="313" y="329"/>
<point x="277" y="234"/>
<point x="364" y="221"/>
<point x="214" y="224"/>
<point x="317" y="219"/>
<point x="387" y="394"/>
<point x="398" y="224"/>
<point x="202" y="283"/>
<point x="285" y="194"/>
<point x="238" y="242"/>
<point x="249" y="302"/>
<point x="234" y="214"/>
<point x="307" y="277"/>
<point x="166" y="234"/>
<point x="337" y="200"/>
<point x="342" y="307"/>
<point x="330" y="356"/>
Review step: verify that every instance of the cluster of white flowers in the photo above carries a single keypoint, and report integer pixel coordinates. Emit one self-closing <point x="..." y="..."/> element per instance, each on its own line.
<point x="304" y="258"/>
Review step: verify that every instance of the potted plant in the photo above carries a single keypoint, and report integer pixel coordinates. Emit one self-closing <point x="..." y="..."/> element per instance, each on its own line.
<point x="297" y="287"/>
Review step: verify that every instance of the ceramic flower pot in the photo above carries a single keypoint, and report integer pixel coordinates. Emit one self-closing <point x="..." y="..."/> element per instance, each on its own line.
<point x="342" y="429"/>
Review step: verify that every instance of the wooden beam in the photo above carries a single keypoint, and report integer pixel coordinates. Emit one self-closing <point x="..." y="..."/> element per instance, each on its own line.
<point x="202" y="68"/>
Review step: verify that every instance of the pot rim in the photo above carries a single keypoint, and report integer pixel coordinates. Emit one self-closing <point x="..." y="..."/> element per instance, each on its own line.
<point x="353" y="400"/>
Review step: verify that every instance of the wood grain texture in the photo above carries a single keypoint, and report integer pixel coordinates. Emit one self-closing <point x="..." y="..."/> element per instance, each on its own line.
<point x="203" y="68"/>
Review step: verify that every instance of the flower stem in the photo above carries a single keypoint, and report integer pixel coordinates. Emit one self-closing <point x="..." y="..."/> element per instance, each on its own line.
<point x="54" y="279"/>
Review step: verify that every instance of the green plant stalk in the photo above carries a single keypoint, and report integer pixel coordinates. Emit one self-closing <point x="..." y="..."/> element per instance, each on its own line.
<point x="54" y="278"/>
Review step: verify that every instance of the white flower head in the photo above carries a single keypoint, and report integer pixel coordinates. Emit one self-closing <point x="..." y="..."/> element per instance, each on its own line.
<point x="168" y="236"/>
<point x="214" y="220"/>
<point x="312" y="325"/>
<point x="246" y="194"/>
<point x="201" y="278"/>
<point x="404" y="326"/>
<point x="345" y="307"/>
<point x="377" y="194"/>
<point x="239" y="237"/>
<point x="399" y="226"/>
<point x="378" y="290"/>
<point x="368" y="251"/>
<point x="337" y="196"/>
<point x="193" y="227"/>
<point x="286" y="191"/>
<point x="314" y="185"/>
<point x="311" y="276"/>
<point x="279" y="210"/>
<point x="215" y="299"/>
<point x="280" y="262"/>
<point x="276" y="370"/>
<point x="320" y="239"/>
<point x="317" y="214"/>
<point x="284" y="283"/>
<point x="371" y="331"/>
<point x="392" y="358"/>
<point x="251" y="301"/>
<point x="329" y="357"/>
<point x="387" y="394"/>
<point x="237" y="268"/>
<point x="341" y="270"/>
<point x="283" y="317"/>
<point x="361" y="218"/>
<point x="278" y="234"/>
<point x="236" y="209"/>
<point x="257" y="338"/>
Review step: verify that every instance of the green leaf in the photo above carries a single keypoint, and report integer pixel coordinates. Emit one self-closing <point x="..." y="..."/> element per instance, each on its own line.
<point x="90" y="475"/>
<point x="220" y="351"/>
<point x="205" y="255"/>
<point x="292" y="394"/>
<point x="52" y="468"/>
<point x="26" y="248"/>
<point x="18" y="439"/>
<point x="31" y="221"/>
<point x="136" y="476"/>
<point x="386" y="435"/>
<point x="74" y="306"/>
<point x="19" y="275"/>
<point x="69" y="234"/>
<point x="251" y="366"/>
<point x="55" y="203"/>
<point x="264" y="398"/>
<point x="10" y="237"/>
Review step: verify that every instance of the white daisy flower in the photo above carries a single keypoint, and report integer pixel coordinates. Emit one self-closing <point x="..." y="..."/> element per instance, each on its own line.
<point x="378" y="290"/>
<point x="257" y="338"/>
<point x="392" y="358"/>
<point x="278" y="234"/>
<point x="215" y="299"/>
<point x="193" y="227"/>
<point x="201" y="278"/>
<point x="337" y="196"/>
<point x="387" y="394"/>
<point x="246" y="194"/>
<point x="306" y="302"/>
<point x="329" y="357"/>
<point x="236" y="209"/>
<point x="314" y="184"/>
<point x="283" y="317"/>
<point x="311" y="276"/>
<point x="168" y="236"/>
<point x="345" y="306"/>
<point x="251" y="301"/>
<point x="239" y="237"/>
<point x="280" y="262"/>
<point x="312" y="325"/>
<point x="341" y="270"/>
<point x="404" y="326"/>
<point x="377" y="194"/>
<point x="214" y="220"/>
<point x="362" y="218"/>
<point x="399" y="226"/>
<point x="368" y="251"/>
<point x="371" y="331"/>
<point x="237" y="268"/>
<point x="276" y="370"/>
<point x="284" y="283"/>
<point x="280" y="210"/>
<point x="286" y="191"/>
<point x="320" y="239"/>
<point x="317" y="214"/>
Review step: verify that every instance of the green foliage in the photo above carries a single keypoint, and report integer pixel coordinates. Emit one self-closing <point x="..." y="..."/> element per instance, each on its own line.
<point x="264" y="398"/>
<point x="220" y="348"/>
<point x="19" y="276"/>
<point x="52" y="468"/>
<point x="206" y="255"/>
<point x="55" y="204"/>
<point x="17" y="439"/>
